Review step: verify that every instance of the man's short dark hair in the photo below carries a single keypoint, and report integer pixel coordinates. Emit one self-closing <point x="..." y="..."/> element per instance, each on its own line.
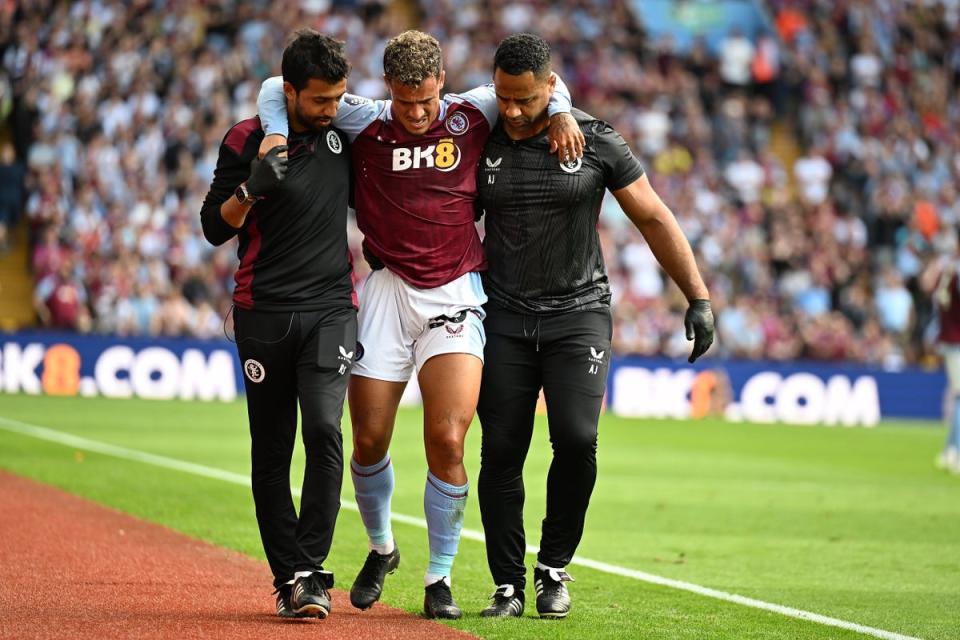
<point x="313" y="55"/>
<point x="412" y="57"/>
<point x="523" y="52"/>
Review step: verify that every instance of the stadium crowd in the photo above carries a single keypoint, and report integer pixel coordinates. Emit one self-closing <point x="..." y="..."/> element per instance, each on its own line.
<point x="118" y="108"/>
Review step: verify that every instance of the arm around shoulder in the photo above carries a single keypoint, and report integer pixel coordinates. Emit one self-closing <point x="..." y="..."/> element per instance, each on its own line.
<point x="272" y="107"/>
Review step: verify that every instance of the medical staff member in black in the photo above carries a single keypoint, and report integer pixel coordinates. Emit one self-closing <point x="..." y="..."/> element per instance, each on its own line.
<point x="548" y="319"/>
<point x="294" y="311"/>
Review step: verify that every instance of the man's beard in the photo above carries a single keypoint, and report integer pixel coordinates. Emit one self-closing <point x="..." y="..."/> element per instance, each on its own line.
<point x="314" y="124"/>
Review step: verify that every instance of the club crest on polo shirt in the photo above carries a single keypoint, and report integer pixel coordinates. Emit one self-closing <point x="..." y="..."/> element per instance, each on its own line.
<point x="333" y="141"/>
<point x="457" y="123"/>
<point x="254" y="371"/>
<point x="571" y="166"/>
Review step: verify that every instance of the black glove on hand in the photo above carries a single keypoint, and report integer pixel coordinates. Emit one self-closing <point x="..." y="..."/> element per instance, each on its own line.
<point x="267" y="173"/>
<point x="698" y="322"/>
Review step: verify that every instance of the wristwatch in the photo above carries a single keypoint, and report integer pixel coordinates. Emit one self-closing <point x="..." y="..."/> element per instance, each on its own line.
<point x="244" y="196"/>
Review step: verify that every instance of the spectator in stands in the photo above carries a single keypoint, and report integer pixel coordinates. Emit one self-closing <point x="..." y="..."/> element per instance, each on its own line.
<point x="12" y="175"/>
<point x="736" y="59"/>
<point x="61" y="300"/>
<point x="813" y="173"/>
<point x="894" y="302"/>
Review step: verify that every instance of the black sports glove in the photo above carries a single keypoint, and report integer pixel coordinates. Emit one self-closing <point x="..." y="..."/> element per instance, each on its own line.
<point x="267" y="173"/>
<point x="698" y="322"/>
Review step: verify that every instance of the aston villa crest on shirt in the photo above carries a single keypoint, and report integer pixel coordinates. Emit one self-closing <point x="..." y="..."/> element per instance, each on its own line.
<point x="457" y="123"/>
<point x="333" y="141"/>
<point x="571" y="166"/>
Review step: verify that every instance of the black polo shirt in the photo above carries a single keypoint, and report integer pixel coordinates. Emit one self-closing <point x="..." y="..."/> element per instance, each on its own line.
<point x="293" y="245"/>
<point x="542" y="246"/>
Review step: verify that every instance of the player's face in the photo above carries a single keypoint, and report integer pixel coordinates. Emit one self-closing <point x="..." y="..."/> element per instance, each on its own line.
<point x="416" y="107"/>
<point x="522" y="101"/>
<point x="314" y="106"/>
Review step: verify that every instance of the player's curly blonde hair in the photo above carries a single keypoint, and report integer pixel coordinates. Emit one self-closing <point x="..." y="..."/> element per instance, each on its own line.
<point x="412" y="57"/>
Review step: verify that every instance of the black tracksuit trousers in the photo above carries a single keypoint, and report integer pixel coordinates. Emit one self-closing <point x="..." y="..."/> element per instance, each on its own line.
<point x="292" y="358"/>
<point x="568" y="355"/>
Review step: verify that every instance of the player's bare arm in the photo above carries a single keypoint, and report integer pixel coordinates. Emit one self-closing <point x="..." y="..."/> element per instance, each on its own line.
<point x="565" y="136"/>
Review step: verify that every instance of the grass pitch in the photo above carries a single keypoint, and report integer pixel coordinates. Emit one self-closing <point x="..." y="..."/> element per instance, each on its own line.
<point x="849" y="523"/>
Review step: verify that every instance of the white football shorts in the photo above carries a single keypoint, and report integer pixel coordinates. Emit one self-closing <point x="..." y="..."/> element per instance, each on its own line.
<point x="400" y="327"/>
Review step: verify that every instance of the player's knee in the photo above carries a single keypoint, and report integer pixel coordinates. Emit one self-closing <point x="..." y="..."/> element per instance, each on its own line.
<point x="445" y="449"/>
<point x="369" y="447"/>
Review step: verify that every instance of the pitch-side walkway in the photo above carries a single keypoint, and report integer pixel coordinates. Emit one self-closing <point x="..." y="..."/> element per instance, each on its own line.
<point x="70" y="568"/>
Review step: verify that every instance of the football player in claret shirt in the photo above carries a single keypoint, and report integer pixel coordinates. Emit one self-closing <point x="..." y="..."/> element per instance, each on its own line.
<point x="548" y="320"/>
<point x="414" y="163"/>
<point x="294" y="312"/>
<point x="941" y="279"/>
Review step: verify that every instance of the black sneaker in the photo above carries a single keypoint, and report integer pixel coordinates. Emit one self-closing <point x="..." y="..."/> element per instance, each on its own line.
<point x="438" y="602"/>
<point x="310" y="597"/>
<point x="553" y="600"/>
<point x="284" y="608"/>
<point x="368" y="586"/>
<point x="507" y="603"/>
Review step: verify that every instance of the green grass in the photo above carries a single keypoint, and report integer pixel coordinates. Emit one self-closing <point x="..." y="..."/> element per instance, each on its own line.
<point x="849" y="523"/>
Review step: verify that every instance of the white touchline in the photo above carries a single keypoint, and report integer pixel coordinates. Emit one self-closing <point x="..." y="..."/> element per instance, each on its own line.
<point x="60" y="437"/>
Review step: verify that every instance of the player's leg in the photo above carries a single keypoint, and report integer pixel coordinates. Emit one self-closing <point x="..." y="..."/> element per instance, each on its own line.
<point x="950" y="458"/>
<point x="508" y="401"/>
<point x="326" y="351"/>
<point x="449" y="385"/>
<point x="576" y="356"/>
<point x="265" y="346"/>
<point x="448" y="351"/>
<point x="383" y="365"/>
<point x="373" y="410"/>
